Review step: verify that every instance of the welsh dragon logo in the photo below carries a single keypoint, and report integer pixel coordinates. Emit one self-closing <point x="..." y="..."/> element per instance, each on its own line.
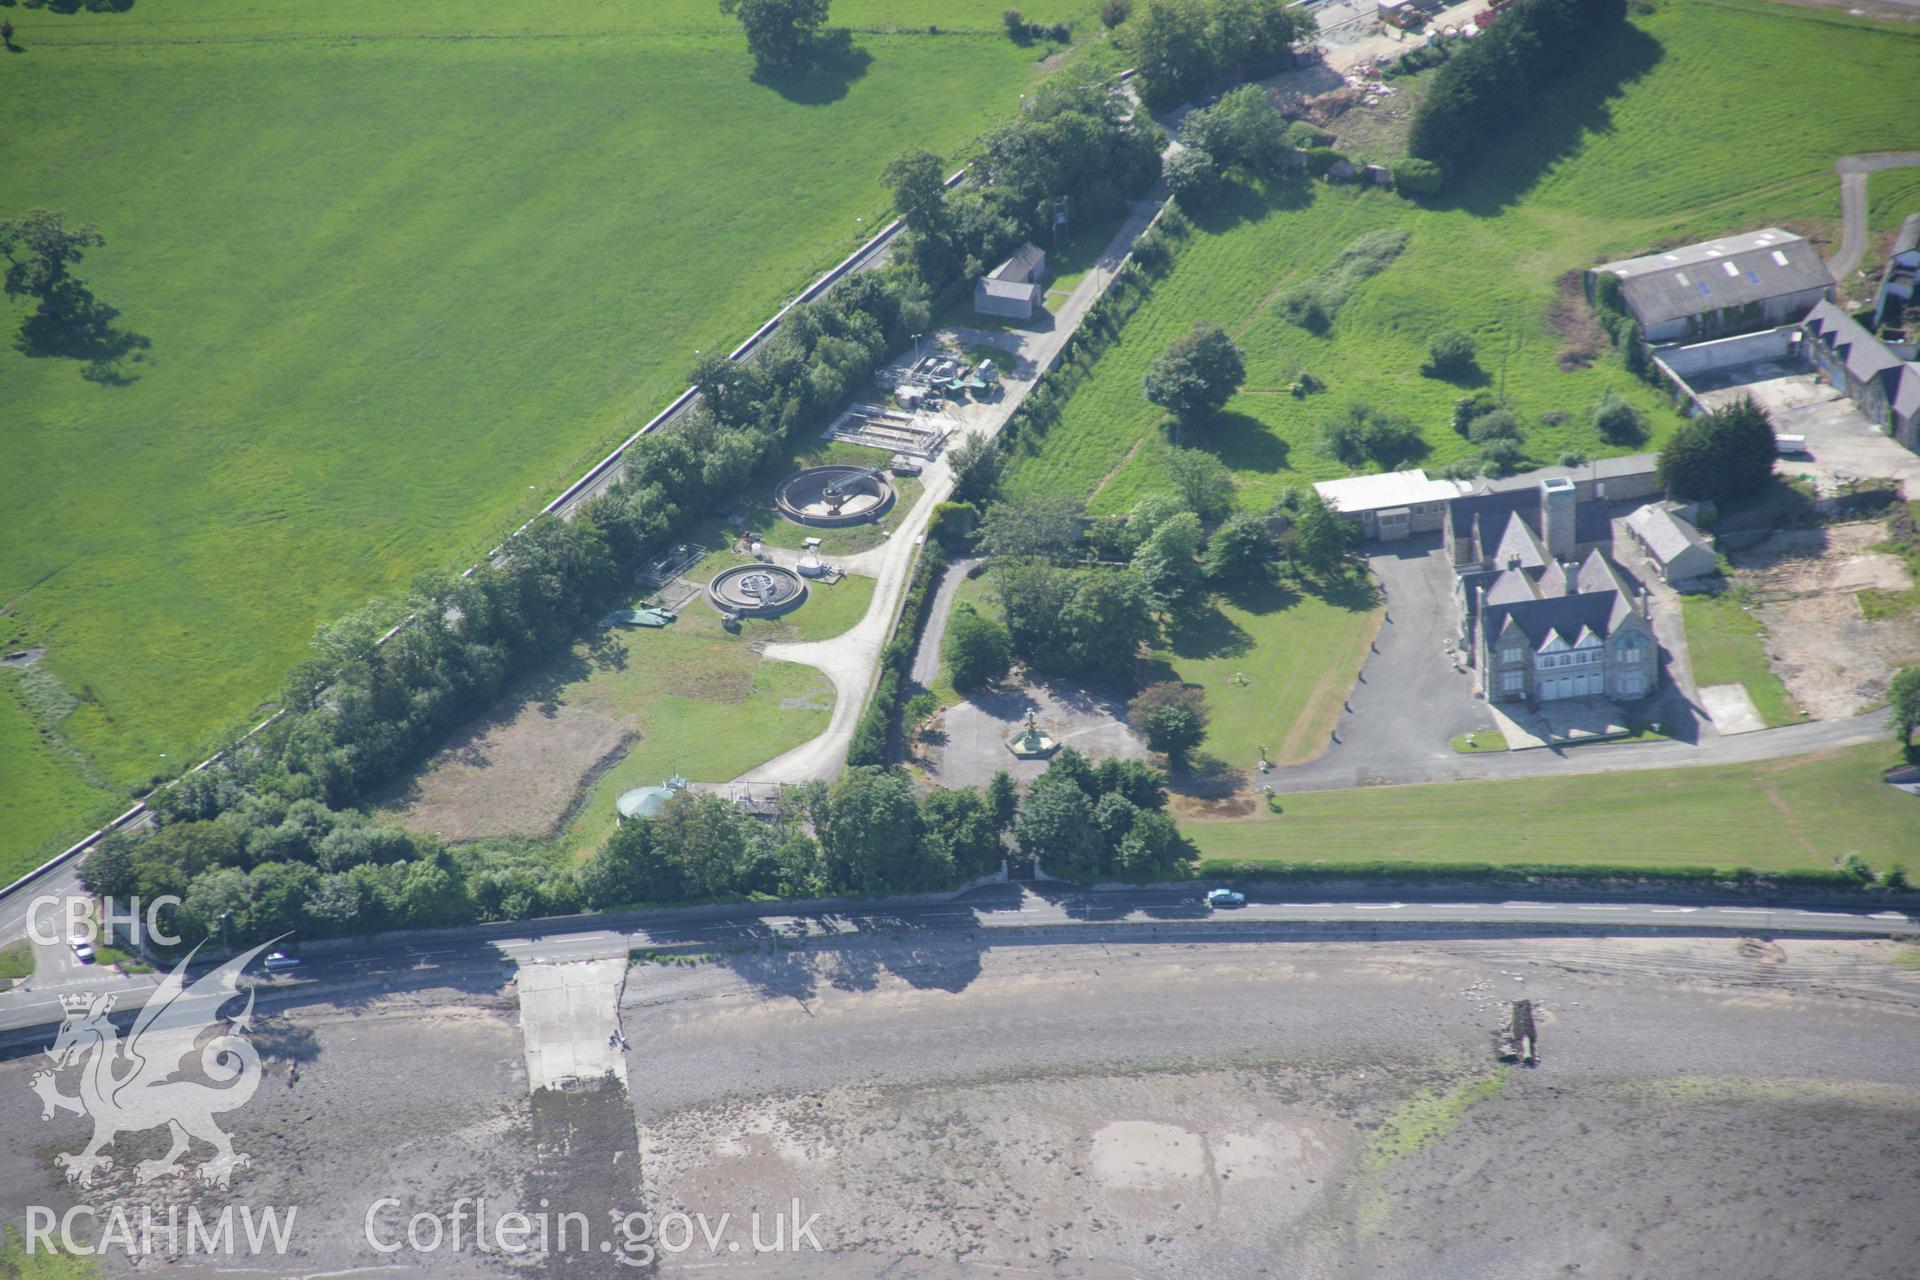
<point x="137" y="1084"/>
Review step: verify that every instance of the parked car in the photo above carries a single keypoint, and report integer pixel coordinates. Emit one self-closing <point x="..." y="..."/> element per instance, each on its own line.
<point x="1226" y="898"/>
<point x="279" y="960"/>
<point x="82" y="950"/>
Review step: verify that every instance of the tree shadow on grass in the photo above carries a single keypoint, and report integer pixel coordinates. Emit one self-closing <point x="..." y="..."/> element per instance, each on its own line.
<point x="1558" y="123"/>
<point x="1241" y="441"/>
<point x="1356" y="592"/>
<point x="78" y="326"/>
<point x="1469" y="379"/>
<point x="1262" y="597"/>
<point x="1205" y="631"/>
<point x="1241" y="201"/>
<point x="836" y="62"/>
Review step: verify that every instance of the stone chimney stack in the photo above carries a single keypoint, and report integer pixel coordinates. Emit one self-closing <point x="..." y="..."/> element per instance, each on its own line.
<point x="1557" y="500"/>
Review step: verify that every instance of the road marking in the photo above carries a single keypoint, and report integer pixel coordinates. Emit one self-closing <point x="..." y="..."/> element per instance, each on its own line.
<point x="1378" y="906"/>
<point x="1675" y="910"/>
<point x="1602" y="908"/>
<point x="1527" y="906"/>
<point x="1887" y="915"/>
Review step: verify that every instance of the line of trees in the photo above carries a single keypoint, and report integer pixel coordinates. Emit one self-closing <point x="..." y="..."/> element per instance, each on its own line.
<point x="1485" y="88"/>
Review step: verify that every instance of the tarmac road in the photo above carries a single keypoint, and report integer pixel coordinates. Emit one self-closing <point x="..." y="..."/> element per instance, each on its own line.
<point x="458" y="958"/>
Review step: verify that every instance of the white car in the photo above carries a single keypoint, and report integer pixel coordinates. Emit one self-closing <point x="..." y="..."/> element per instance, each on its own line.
<point x="279" y="960"/>
<point x="82" y="950"/>
<point x="1226" y="898"/>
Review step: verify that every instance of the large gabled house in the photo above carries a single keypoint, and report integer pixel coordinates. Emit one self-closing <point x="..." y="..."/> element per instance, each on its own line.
<point x="1563" y="631"/>
<point x="1545" y="614"/>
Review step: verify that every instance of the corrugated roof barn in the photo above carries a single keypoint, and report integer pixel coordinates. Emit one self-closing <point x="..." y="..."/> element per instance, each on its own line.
<point x="1720" y="287"/>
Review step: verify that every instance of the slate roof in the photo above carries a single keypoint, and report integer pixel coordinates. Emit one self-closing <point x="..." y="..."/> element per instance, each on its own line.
<point x="1590" y="522"/>
<point x="1907" y="239"/>
<point x="1865" y="357"/>
<point x="1014" y="290"/>
<point x="1025" y="260"/>
<point x="1729" y="272"/>
<point x="1665" y="534"/>
<point x="1565" y="616"/>
<point x="1595" y="576"/>
<point x="1632" y="464"/>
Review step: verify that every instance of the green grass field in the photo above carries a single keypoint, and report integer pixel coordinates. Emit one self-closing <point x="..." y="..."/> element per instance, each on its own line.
<point x="1773" y="816"/>
<point x="1601" y="170"/>
<point x="1723" y="642"/>
<point x="405" y="269"/>
<point x="1276" y="663"/>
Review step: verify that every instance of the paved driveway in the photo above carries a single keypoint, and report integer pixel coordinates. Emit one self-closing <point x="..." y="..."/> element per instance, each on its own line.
<point x="1409" y="700"/>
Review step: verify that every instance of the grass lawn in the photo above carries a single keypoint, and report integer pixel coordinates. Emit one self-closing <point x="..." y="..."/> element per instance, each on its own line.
<point x="404" y="269"/>
<point x="1276" y="662"/>
<point x="1479" y="743"/>
<point x="1775" y="815"/>
<point x="1723" y="641"/>
<point x="1599" y="171"/>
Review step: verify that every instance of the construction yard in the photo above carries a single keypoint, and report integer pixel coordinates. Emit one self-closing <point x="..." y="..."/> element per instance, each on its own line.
<point x="1803" y="586"/>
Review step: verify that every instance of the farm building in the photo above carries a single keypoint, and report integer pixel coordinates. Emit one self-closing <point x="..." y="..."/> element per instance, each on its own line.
<point x="1903" y="269"/>
<point x="1733" y="285"/>
<point x="1886" y="388"/>
<point x="1391" y="506"/>
<point x="1013" y="289"/>
<point x="1674" y="546"/>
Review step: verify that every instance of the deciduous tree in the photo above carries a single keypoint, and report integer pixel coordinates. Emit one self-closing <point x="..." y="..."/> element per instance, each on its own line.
<point x="779" y="32"/>
<point x="1197" y="375"/>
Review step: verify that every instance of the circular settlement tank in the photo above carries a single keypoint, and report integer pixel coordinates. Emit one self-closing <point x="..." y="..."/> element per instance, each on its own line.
<point x="834" y="496"/>
<point x="757" y="591"/>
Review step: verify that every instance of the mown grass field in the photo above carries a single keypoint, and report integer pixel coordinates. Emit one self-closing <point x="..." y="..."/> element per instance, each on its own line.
<point x="1605" y="168"/>
<point x="404" y="269"/>
<point x="1777" y="815"/>
<point x="1723" y="643"/>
